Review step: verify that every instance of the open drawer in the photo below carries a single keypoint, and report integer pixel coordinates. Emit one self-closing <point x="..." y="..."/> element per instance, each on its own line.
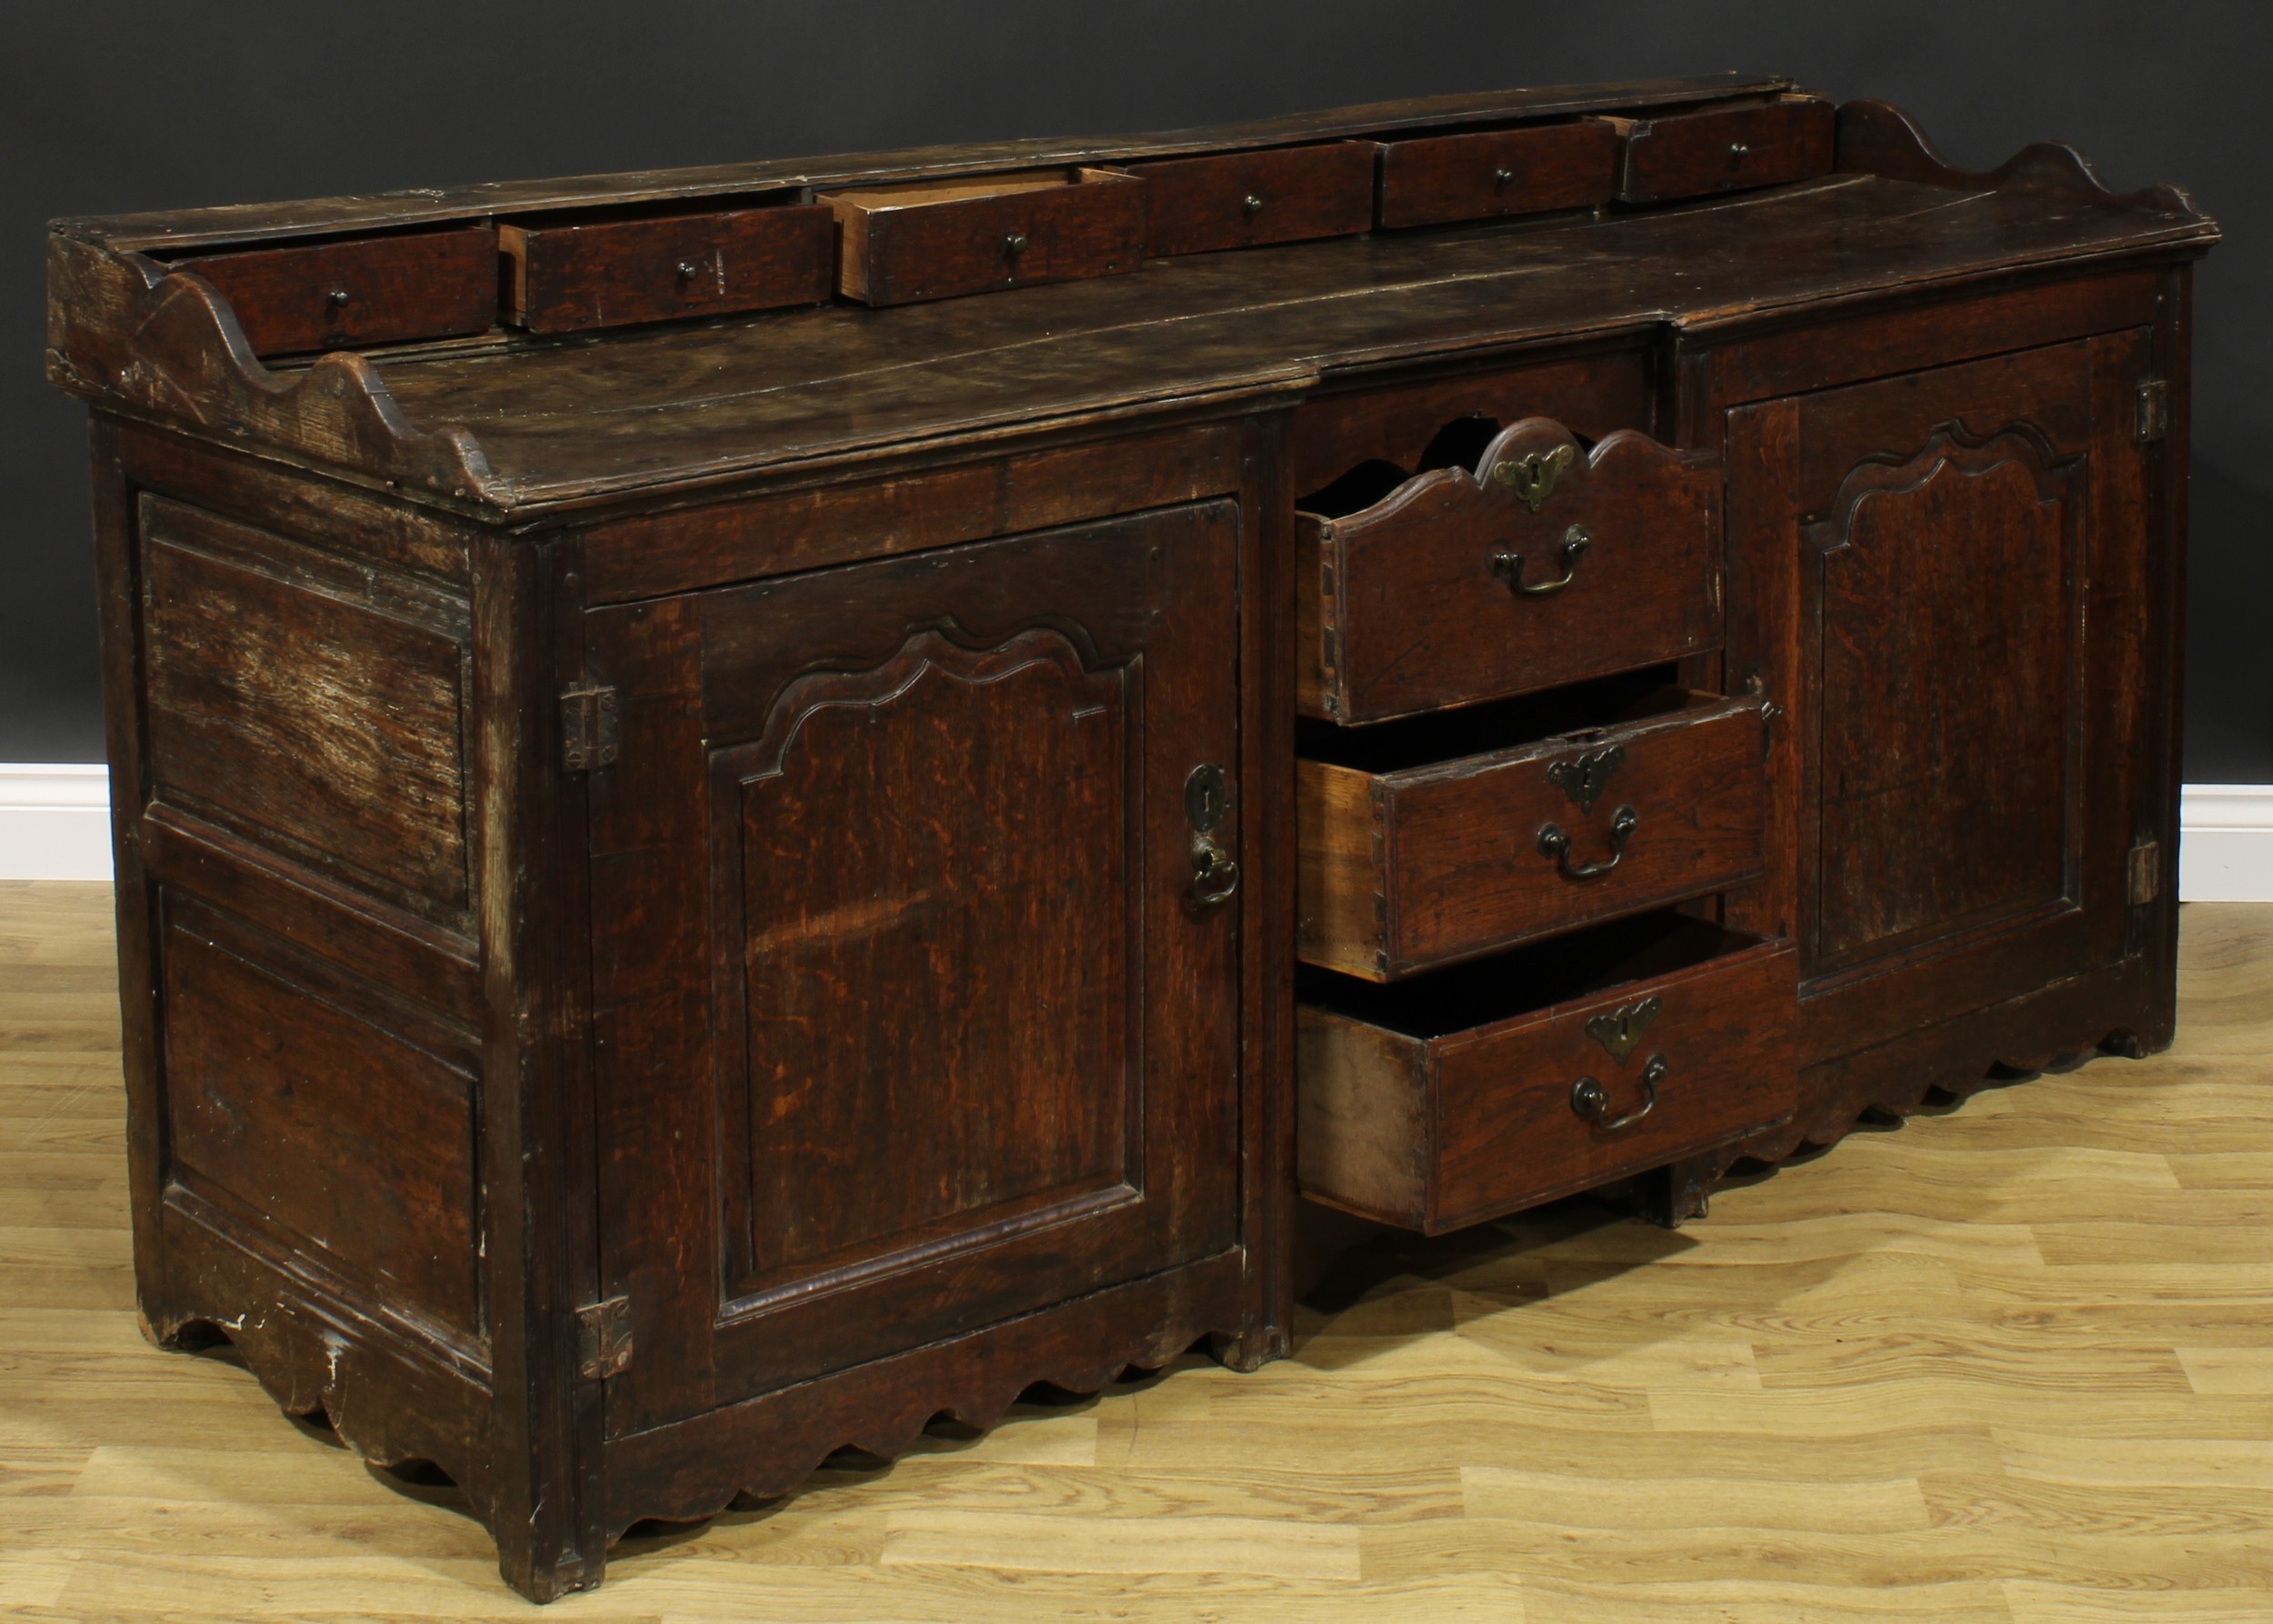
<point x="934" y="239"/>
<point x="1547" y="564"/>
<point x="1408" y="861"/>
<point x="576" y="272"/>
<point x="1726" y="149"/>
<point x="1492" y="1088"/>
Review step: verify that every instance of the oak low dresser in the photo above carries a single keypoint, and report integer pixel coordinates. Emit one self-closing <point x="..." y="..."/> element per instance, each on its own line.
<point x="756" y="804"/>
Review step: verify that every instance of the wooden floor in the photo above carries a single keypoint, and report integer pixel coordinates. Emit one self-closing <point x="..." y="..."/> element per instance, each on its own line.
<point x="2012" y="1362"/>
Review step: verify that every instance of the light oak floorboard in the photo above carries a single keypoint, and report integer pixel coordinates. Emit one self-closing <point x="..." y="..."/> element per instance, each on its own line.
<point x="2011" y="1363"/>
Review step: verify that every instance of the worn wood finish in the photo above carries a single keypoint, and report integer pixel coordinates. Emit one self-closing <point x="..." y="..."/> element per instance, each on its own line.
<point x="1443" y="592"/>
<point x="307" y="705"/>
<point x="937" y="238"/>
<point x="714" y="891"/>
<point x="1451" y="1101"/>
<point x="1407" y="868"/>
<point x="1246" y="199"/>
<point x="336" y="296"/>
<point x="1432" y="180"/>
<point x="1727" y="149"/>
<point x="1014" y="720"/>
<point x="575" y="275"/>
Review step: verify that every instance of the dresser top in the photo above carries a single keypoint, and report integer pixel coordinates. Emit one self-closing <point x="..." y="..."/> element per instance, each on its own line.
<point x="520" y="426"/>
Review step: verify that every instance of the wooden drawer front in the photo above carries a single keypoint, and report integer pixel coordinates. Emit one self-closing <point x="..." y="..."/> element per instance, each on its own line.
<point x="1690" y="155"/>
<point x="1441" y="178"/>
<point x="611" y="272"/>
<point x="376" y="290"/>
<point x="1242" y="200"/>
<point x="1402" y="871"/>
<point x="1448" y="1103"/>
<point x="936" y="239"/>
<point x="1443" y="592"/>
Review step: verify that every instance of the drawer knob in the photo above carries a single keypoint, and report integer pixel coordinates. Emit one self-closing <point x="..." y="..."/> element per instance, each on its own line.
<point x="1507" y="564"/>
<point x="1252" y="203"/>
<point x="339" y="298"/>
<point x="1503" y="177"/>
<point x="1013" y="245"/>
<point x="1591" y="1100"/>
<point x="1736" y="151"/>
<point x="1555" y="844"/>
<point x="689" y="270"/>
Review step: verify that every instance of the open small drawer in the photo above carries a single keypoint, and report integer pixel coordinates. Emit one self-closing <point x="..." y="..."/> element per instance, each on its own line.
<point x="1546" y="563"/>
<point x="1726" y="149"/>
<point x="1408" y="860"/>
<point x="935" y="239"/>
<point x="578" y="272"/>
<point x="396" y="288"/>
<point x="1489" y="1088"/>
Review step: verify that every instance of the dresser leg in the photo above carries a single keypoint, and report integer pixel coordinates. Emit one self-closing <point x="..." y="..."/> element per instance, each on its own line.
<point x="1674" y="1194"/>
<point x="1253" y="1350"/>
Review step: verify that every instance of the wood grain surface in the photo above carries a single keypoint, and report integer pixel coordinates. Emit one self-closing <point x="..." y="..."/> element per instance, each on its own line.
<point x="2006" y="1364"/>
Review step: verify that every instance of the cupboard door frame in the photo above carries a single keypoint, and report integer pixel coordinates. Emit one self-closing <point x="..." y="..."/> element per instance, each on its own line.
<point x="1148" y="601"/>
<point x="2064" y="411"/>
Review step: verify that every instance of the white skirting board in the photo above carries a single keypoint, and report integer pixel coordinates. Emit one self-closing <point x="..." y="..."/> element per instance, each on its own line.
<point x="54" y="823"/>
<point x="2225" y="843"/>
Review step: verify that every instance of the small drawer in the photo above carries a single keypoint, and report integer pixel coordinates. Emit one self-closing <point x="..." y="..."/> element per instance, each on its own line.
<point x="1548" y="565"/>
<point x="1246" y="199"/>
<point x="570" y="276"/>
<point x="1692" y="155"/>
<point x="1435" y="179"/>
<point x="936" y="239"/>
<point x="1500" y="1086"/>
<point x="1408" y="860"/>
<point x="369" y="290"/>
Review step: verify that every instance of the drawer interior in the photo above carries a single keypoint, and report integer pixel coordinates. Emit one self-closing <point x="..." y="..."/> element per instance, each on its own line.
<point x="1572" y="713"/>
<point x="1516" y="985"/>
<point x="960" y="188"/>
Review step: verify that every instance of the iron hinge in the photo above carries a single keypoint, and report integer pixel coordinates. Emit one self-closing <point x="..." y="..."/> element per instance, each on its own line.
<point x="2154" y="411"/>
<point x="603" y="1338"/>
<point x="2146" y="872"/>
<point x="587" y="728"/>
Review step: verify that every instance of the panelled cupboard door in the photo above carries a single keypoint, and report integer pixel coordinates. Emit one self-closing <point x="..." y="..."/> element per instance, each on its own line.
<point x="912" y="1009"/>
<point x="1943" y="577"/>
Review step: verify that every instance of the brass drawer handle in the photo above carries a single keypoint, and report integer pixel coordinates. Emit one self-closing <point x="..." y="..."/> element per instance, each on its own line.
<point x="1508" y="565"/>
<point x="1589" y="1099"/>
<point x="1554" y="844"/>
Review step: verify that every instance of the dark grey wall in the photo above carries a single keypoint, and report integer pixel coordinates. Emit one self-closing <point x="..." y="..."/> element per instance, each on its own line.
<point x="143" y="106"/>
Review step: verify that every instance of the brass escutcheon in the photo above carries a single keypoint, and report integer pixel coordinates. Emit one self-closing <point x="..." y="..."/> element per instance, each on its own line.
<point x="1621" y="1031"/>
<point x="1533" y="475"/>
